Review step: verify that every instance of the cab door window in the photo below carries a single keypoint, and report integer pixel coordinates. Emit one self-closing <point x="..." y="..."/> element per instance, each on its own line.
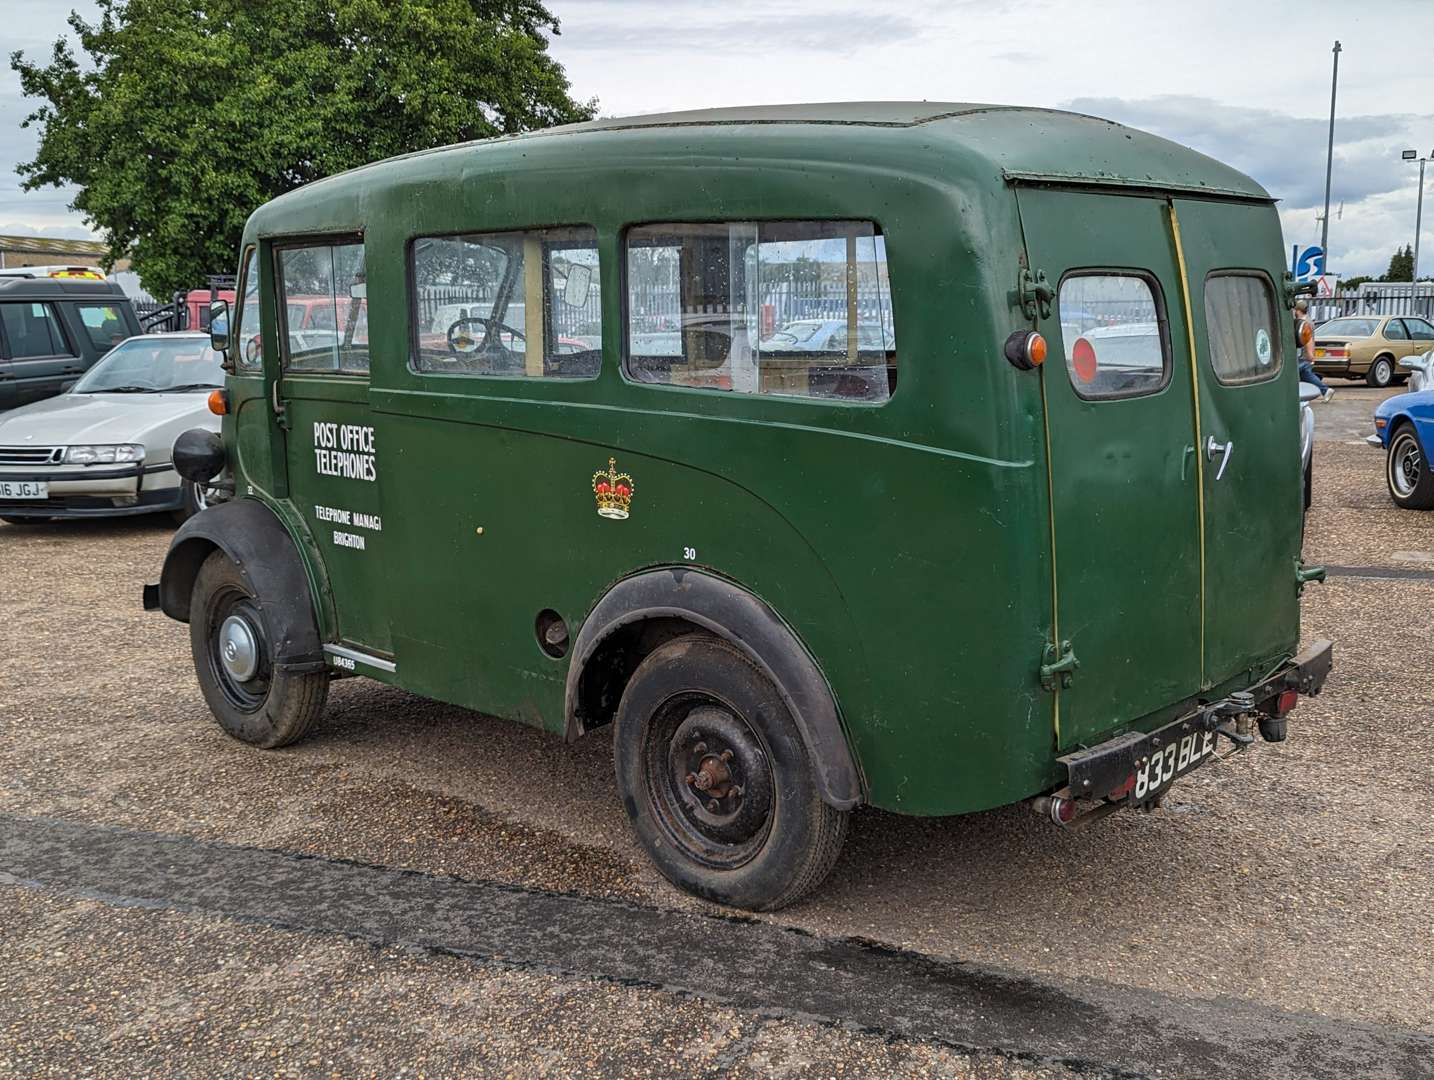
<point x="325" y="305"/>
<point x="246" y="318"/>
<point x="1241" y="325"/>
<point x="1114" y="332"/>
<point x="33" y="331"/>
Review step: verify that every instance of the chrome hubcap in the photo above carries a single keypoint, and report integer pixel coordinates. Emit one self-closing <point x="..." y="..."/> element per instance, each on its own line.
<point x="238" y="648"/>
<point x="1405" y="463"/>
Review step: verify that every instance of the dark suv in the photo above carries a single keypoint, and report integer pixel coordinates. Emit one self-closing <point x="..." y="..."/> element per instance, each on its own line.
<point x="51" y="331"/>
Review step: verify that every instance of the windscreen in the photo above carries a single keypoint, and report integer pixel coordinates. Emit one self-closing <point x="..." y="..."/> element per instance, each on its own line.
<point x="154" y="366"/>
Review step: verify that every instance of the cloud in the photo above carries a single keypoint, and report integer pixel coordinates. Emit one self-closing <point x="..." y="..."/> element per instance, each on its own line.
<point x="764" y="30"/>
<point x="1287" y="155"/>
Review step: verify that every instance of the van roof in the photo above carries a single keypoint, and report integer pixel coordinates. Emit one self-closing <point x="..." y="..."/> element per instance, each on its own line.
<point x="46" y="288"/>
<point x="1000" y="144"/>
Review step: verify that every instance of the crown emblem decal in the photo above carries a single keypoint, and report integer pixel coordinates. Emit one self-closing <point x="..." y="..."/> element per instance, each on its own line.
<point x="613" y="490"/>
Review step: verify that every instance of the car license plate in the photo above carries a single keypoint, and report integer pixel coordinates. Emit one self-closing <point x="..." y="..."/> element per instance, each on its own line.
<point x="1165" y="766"/>
<point x="24" y="489"/>
<point x="1320" y="354"/>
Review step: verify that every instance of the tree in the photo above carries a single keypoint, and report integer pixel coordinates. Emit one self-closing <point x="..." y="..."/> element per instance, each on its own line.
<point x="190" y="113"/>
<point x="1401" y="265"/>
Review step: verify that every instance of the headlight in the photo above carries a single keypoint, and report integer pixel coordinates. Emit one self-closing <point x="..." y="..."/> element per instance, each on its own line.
<point x="97" y="455"/>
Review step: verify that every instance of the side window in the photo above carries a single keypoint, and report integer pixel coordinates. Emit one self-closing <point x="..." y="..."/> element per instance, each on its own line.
<point x="325" y="303"/>
<point x="1114" y="331"/>
<point x="1241" y="324"/>
<point x="246" y="319"/>
<point x="104" y="325"/>
<point x="514" y="304"/>
<point x="1394" y="331"/>
<point x="792" y="308"/>
<point x="1419" y="330"/>
<point x="33" y="330"/>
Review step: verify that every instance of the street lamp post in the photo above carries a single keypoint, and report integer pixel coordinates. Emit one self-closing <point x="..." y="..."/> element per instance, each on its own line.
<point x="1413" y="155"/>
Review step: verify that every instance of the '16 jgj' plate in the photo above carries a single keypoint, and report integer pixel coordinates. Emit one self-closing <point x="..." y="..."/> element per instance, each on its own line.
<point x="1163" y="767"/>
<point x="24" y="489"/>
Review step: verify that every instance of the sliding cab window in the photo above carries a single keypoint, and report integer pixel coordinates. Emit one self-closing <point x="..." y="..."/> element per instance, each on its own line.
<point x="791" y="308"/>
<point x="249" y="349"/>
<point x="1115" y="335"/>
<point x="323" y="308"/>
<point x="32" y="331"/>
<point x="519" y="305"/>
<point x="1241" y="323"/>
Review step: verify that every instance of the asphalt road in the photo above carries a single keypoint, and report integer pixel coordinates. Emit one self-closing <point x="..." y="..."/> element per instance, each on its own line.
<point x="1277" y="910"/>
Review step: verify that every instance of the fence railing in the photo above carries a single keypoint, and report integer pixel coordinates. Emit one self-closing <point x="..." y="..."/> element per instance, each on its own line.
<point x="1323" y="309"/>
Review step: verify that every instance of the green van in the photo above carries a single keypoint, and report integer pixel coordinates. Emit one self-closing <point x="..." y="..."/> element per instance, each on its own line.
<point x="735" y="430"/>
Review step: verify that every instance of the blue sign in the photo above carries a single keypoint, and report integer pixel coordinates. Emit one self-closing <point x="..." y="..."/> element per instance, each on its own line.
<point x="1309" y="263"/>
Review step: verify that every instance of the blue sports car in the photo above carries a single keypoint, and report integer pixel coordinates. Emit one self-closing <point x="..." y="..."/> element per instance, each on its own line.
<point x="1404" y="428"/>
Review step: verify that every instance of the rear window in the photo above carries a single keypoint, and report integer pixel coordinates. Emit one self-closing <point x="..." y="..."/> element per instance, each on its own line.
<point x="104" y="325"/>
<point x="1240" y="323"/>
<point x="1113" y="330"/>
<point x="1348" y="328"/>
<point x="790" y="308"/>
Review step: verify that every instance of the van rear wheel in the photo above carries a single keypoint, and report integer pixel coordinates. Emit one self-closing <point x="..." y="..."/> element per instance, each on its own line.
<point x="717" y="781"/>
<point x="232" y="645"/>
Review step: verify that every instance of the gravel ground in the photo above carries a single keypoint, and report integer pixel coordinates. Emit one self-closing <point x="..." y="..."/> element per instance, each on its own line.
<point x="1298" y="874"/>
<point x="90" y="990"/>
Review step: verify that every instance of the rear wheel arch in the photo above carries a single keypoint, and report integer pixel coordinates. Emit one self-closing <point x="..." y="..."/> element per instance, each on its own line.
<point x="641" y="613"/>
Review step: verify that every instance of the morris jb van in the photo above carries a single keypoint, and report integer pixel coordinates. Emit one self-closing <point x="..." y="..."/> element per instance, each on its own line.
<point x="1026" y="529"/>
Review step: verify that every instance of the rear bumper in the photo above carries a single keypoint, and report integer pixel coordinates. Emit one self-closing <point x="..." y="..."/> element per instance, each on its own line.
<point x="1106" y="771"/>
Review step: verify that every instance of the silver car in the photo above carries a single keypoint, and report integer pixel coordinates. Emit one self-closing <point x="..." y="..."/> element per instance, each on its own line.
<point x="104" y="447"/>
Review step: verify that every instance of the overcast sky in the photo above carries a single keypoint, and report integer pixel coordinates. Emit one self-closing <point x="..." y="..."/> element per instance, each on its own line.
<point x="1246" y="81"/>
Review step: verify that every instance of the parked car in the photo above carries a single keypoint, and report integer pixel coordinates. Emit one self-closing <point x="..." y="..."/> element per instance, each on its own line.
<point x="103" y="448"/>
<point x="1421" y="370"/>
<point x="1369" y="346"/>
<point x="1403" y="428"/>
<point x="1308" y="393"/>
<point x="52" y="330"/>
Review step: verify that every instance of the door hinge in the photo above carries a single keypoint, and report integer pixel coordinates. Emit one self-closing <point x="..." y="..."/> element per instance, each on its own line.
<point x="281" y="414"/>
<point x="1035" y="293"/>
<point x="1058" y="666"/>
<point x="1305" y="574"/>
<point x="1294" y="289"/>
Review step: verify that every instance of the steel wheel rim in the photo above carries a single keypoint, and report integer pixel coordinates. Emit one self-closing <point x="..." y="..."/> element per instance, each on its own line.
<point x="231" y="609"/>
<point x="710" y="780"/>
<point x="1406" y="464"/>
<point x="1383" y="372"/>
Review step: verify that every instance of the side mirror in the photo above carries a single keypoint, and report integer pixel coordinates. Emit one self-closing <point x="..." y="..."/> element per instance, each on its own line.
<point x="219" y="326"/>
<point x="578" y="285"/>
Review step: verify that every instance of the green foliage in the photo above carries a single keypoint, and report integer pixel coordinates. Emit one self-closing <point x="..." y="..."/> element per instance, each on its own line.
<point x="190" y="113"/>
<point x="1401" y="265"/>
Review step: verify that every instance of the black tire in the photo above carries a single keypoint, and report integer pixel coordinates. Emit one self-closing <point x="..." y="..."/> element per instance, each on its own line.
<point x="1309" y="482"/>
<point x="194" y="498"/>
<point x="269" y="708"/>
<point x="1407" y="472"/>
<point x="771" y="839"/>
<point x="1381" y="372"/>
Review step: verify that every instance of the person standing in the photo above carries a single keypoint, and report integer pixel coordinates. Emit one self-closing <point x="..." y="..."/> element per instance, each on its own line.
<point x="1304" y="343"/>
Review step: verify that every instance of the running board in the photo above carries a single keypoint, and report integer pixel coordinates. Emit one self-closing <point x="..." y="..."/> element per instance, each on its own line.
<point x="341" y="656"/>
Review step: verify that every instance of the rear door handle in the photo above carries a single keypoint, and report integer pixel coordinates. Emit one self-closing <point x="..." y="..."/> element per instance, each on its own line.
<point x="1225" y="450"/>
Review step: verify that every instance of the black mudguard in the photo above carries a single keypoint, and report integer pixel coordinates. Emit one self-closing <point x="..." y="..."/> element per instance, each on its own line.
<point x="255" y="539"/>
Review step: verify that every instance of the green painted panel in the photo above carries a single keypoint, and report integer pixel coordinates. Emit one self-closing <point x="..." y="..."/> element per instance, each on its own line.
<point x="1122" y="470"/>
<point x="1253" y="512"/>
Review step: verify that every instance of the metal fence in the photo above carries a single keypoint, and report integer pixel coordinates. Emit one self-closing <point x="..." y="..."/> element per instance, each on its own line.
<point x="1404" y="302"/>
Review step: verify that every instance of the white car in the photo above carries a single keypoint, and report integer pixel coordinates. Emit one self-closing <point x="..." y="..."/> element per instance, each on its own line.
<point x="103" y="448"/>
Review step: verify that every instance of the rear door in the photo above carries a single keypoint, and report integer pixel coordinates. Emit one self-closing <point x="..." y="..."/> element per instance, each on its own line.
<point x="332" y="455"/>
<point x="40" y="358"/>
<point x="1250" y="437"/>
<point x="1123" y="471"/>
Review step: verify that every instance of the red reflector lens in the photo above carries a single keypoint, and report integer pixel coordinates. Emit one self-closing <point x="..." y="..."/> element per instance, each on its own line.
<point x="1123" y="790"/>
<point x="1083" y="360"/>
<point x="1287" y="700"/>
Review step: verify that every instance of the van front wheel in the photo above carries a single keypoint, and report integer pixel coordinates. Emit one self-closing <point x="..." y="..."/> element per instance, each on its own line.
<point x="231" y="641"/>
<point x="717" y="781"/>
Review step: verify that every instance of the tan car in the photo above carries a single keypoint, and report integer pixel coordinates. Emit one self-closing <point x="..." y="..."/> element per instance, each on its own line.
<point x="1369" y="347"/>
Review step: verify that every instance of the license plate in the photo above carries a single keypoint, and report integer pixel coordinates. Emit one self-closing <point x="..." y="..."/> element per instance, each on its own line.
<point x="1320" y="354"/>
<point x="24" y="489"/>
<point x="1165" y="766"/>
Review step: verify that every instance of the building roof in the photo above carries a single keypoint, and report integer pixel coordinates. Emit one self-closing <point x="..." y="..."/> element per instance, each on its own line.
<point x="45" y="245"/>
